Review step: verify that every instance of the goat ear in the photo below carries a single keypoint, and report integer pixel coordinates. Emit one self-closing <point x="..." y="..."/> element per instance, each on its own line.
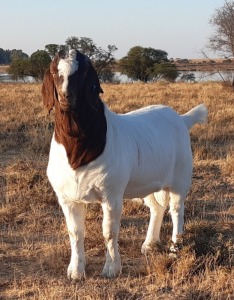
<point x="48" y="91"/>
<point x="92" y="87"/>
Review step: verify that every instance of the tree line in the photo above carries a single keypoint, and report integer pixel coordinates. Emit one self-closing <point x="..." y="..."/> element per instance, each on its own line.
<point x="35" y="65"/>
<point x="140" y="63"/>
<point x="7" y="56"/>
<point x="144" y="64"/>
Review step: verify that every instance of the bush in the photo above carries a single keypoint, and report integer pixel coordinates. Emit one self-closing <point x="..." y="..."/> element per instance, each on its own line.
<point x="35" y="66"/>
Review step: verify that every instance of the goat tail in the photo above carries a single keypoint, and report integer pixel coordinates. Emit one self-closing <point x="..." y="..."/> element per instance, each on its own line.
<point x="198" y="114"/>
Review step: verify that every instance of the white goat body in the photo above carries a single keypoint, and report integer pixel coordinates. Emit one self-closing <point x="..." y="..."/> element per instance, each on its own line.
<point x="146" y="151"/>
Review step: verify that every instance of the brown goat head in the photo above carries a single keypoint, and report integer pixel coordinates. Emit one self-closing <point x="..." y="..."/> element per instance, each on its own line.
<point x="70" y="81"/>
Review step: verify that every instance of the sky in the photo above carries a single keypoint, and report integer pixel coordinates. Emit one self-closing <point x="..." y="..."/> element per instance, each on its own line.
<point x="179" y="27"/>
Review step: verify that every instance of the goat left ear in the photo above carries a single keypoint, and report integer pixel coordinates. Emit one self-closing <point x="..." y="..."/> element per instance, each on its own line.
<point x="92" y="87"/>
<point x="48" y="91"/>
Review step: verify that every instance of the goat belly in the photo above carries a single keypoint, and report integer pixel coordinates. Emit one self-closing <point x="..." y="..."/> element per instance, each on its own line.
<point x="141" y="191"/>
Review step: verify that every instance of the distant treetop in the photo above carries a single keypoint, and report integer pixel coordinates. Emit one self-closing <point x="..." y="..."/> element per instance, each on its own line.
<point x="7" y="56"/>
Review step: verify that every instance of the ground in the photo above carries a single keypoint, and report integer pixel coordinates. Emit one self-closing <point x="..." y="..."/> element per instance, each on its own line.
<point x="34" y="243"/>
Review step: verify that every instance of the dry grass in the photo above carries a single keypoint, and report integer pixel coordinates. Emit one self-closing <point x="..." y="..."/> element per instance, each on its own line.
<point x="4" y="68"/>
<point x="34" y="245"/>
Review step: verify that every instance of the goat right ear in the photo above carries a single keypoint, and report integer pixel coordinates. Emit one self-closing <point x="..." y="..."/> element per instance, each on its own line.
<point x="48" y="91"/>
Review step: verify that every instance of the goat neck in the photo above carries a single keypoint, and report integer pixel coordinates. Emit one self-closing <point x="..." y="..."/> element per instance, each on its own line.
<point x="82" y="133"/>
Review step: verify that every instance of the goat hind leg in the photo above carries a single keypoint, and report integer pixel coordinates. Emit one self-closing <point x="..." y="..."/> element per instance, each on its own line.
<point x="177" y="215"/>
<point x="157" y="204"/>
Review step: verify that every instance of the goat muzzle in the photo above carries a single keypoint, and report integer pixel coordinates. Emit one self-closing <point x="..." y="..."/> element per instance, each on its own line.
<point x="66" y="102"/>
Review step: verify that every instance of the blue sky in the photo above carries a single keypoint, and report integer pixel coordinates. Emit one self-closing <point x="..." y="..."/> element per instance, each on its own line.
<point x="179" y="27"/>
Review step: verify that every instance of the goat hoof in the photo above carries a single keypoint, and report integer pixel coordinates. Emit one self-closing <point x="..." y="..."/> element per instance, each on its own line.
<point x="111" y="270"/>
<point x="173" y="255"/>
<point x="146" y="249"/>
<point x="151" y="248"/>
<point x="75" y="274"/>
<point x="174" y="250"/>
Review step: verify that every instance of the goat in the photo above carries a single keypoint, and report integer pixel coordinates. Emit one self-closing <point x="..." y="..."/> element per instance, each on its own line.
<point x="99" y="156"/>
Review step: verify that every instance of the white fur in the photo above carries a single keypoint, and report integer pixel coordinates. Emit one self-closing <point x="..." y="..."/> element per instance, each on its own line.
<point x="147" y="154"/>
<point x="67" y="67"/>
<point x="197" y="114"/>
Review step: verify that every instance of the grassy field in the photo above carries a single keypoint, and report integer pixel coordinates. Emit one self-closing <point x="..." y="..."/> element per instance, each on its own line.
<point x="34" y="243"/>
<point x="4" y="68"/>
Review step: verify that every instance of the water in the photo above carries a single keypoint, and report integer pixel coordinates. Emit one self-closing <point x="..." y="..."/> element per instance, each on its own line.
<point x="211" y="76"/>
<point x="199" y="77"/>
<point x="4" y="77"/>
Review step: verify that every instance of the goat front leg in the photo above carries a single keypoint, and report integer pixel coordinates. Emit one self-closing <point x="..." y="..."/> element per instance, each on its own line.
<point x="75" y="216"/>
<point x="110" y="225"/>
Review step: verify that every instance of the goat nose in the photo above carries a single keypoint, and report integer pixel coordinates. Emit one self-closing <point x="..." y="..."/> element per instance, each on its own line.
<point x="68" y="96"/>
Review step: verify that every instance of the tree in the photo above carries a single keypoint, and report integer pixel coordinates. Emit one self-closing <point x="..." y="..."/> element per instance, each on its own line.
<point x="52" y="49"/>
<point x="165" y="70"/>
<point x="7" y="56"/>
<point x="72" y="42"/>
<point x="82" y="44"/>
<point x="87" y="47"/>
<point x="103" y="60"/>
<point x="188" y="77"/>
<point x="4" y="57"/>
<point x="19" y="68"/>
<point x="140" y="63"/>
<point x="39" y="62"/>
<point x="222" y="40"/>
<point x="14" y="54"/>
<point x="34" y="66"/>
<point x="106" y="75"/>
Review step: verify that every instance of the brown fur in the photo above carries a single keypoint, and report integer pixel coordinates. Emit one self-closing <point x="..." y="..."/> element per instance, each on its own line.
<point x="81" y="126"/>
<point x="48" y="91"/>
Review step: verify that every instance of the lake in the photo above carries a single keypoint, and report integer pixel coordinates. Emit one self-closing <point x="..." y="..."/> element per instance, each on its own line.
<point x="4" y="77"/>
<point x="199" y="77"/>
